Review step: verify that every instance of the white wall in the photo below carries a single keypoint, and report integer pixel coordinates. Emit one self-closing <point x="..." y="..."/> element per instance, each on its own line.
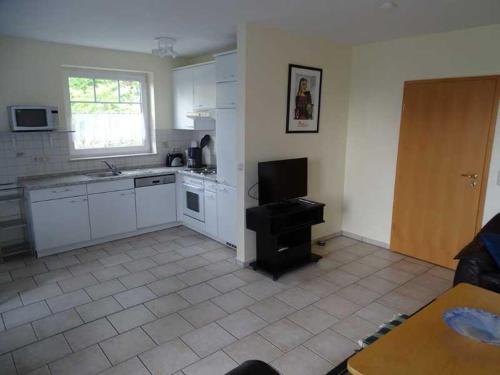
<point x="268" y="53"/>
<point x="31" y="73"/>
<point x="377" y="76"/>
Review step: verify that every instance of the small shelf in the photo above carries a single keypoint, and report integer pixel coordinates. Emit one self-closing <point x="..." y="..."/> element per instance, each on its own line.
<point x="15" y="249"/>
<point x="11" y="224"/>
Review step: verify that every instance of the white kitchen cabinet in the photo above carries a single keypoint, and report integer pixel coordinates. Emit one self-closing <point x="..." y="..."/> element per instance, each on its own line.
<point x="203" y="87"/>
<point x="211" y="224"/>
<point x="226" y="146"/>
<point x="226" y="213"/>
<point x="155" y="205"/>
<point x="60" y="222"/>
<point x="183" y="98"/>
<point x="112" y="213"/>
<point x="226" y="64"/>
<point x="227" y="93"/>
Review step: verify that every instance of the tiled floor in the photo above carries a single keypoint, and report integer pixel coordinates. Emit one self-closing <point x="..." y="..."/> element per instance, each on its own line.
<point x="175" y="302"/>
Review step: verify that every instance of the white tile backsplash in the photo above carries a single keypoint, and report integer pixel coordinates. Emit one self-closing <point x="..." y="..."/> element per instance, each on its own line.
<point x="30" y="154"/>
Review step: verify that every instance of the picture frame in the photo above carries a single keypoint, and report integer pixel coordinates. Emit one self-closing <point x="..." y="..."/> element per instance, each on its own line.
<point x="303" y="99"/>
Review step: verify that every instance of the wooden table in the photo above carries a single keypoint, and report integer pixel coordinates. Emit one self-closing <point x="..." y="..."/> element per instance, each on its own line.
<point x="424" y="344"/>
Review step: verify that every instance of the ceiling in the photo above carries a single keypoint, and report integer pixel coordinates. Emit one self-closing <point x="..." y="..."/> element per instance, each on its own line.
<point x="208" y="25"/>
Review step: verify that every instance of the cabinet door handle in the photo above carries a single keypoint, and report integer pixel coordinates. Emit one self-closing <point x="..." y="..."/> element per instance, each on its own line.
<point x="60" y="191"/>
<point x="124" y="194"/>
<point x="79" y="200"/>
<point x="281" y="249"/>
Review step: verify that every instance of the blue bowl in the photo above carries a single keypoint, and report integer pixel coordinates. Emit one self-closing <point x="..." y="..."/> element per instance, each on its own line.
<point x="477" y="324"/>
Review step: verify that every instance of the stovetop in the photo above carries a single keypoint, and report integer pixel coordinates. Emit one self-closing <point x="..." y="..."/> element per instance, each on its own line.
<point x="203" y="171"/>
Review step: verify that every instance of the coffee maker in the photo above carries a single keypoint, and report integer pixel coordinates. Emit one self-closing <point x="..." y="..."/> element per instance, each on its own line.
<point x="194" y="157"/>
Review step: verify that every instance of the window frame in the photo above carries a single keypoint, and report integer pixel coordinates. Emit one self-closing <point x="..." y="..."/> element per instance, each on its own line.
<point x="99" y="153"/>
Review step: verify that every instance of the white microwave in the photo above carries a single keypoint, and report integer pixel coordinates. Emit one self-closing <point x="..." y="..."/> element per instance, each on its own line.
<point x="33" y="118"/>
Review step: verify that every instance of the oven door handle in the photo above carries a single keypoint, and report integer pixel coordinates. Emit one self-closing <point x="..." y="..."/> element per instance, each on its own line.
<point x="193" y="186"/>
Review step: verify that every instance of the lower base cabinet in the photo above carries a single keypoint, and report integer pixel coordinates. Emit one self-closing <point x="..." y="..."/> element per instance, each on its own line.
<point x="226" y="213"/>
<point x="60" y="222"/>
<point x="211" y="225"/>
<point x="112" y="213"/>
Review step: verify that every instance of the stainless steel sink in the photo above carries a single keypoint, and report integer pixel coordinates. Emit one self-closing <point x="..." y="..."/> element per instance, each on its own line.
<point x="103" y="174"/>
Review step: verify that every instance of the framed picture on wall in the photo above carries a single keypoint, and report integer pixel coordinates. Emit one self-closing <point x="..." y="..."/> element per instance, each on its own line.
<point x="304" y="99"/>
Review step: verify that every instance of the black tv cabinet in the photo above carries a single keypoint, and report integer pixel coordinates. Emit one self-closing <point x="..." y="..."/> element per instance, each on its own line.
<point x="284" y="234"/>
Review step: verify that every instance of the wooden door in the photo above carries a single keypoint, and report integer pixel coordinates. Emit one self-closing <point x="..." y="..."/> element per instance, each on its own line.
<point x="443" y="158"/>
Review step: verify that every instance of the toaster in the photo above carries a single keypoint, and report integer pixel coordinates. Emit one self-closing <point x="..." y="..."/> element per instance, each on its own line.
<point x="175" y="159"/>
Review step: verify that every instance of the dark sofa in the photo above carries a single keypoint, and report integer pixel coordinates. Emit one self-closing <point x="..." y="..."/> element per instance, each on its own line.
<point x="476" y="266"/>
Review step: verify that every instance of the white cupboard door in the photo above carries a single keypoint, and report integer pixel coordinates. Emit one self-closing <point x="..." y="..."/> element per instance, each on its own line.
<point x="204" y="87"/>
<point x="183" y="98"/>
<point x="226" y="213"/>
<point x="226" y="67"/>
<point x="226" y="146"/>
<point x="227" y="94"/>
<point x="60" y="222"/>
<point x="112" y="213"/>
<point x="211" y="213"/>
<point x="155" y="205"/>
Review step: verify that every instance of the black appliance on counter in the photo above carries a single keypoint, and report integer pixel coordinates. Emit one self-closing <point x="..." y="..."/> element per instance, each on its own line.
<point x="175" y="159"/>
<point x="194" y="157"/>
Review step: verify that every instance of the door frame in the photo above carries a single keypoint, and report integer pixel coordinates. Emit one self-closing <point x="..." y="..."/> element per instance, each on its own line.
<point x="489" y="144"/>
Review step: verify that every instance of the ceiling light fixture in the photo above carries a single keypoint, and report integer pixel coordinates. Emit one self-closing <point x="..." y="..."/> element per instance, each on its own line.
<point x="389" y="5"/>
<point x="165" y="47"/>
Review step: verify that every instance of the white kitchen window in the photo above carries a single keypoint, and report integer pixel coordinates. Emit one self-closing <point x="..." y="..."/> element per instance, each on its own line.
<point x="109" y="113"/>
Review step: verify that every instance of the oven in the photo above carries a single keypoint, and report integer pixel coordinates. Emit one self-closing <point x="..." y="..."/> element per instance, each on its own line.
<point x="193" y="198"/>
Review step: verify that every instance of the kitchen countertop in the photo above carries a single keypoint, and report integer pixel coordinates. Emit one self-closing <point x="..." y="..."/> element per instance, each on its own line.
<point x="208" y="177"/>
<point x="50" y="181"/>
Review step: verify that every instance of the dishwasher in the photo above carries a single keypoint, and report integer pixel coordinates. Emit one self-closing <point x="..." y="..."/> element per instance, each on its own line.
<point x="155" y="200"/>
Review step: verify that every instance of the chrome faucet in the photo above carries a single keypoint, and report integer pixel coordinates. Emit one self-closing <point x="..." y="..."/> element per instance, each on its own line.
<point x="112" y="167"/>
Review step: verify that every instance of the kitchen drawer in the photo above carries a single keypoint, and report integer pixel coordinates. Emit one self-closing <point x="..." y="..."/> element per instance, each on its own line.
<point x="211" y="186"/>
<point x="105" y="186"/>
<point x="57" y="193"/>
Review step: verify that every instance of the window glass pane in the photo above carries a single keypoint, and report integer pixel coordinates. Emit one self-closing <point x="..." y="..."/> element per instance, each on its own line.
<point x="106" y="90"/>
<point x="130" y="91"/>
<point x="81" y="89"/>
<point x="107" y="125"/>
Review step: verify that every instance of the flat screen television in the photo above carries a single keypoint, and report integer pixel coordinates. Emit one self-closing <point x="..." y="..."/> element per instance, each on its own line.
<point x="281" y="180"/>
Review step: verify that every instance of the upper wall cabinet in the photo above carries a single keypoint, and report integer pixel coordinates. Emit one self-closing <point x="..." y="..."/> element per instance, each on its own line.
<point x="204" y="87"/>
<point x="183" y="98"/>
<point x="226" y="67"/>
<point x="194" y="92"/>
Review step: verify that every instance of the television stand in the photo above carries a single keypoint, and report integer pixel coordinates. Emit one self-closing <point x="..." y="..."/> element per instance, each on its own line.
<point x="284" y="234"/>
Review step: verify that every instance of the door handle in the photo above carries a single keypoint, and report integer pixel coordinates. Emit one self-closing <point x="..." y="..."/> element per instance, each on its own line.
<point x="472" y="176"/>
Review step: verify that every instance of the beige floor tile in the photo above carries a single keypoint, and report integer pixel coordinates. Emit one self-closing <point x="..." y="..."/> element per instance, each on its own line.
<point x="67" y="301"/>
<point x="313" y="319"/>
<point x="262" y="289"/>
<point x="233" y="301"/>
<point x="167" y="328"/>
<point x="378" y="284"/>
<point x="104" y="289"/>
<point x="134" y="297"/>
<point x="137" y="279"/>
<point x="167" y="305"/>
<point x="131" y="367"/>
<point x="198" y="293"/>
<point x="57" y="323"/>
<point x="340" y="278"/>
<point x="358" y="294"/>
<point x="400" y="303"/>
<point x="89" y="334"/>
<point x="126" y="345"/>
<point x="227" y="283"/>
<point x="98" y="309"/>
<point x="203" y="313"/>
<point x="131" y="318"/>
<point x="242" y="323"/>
<point x="217" y="363"/>
<point x="355" y="328"/>
<point x="285" y="334"/>
<point x="301" y="361"/>
<point x="358" y="269"/>
<point x="376" y="313"/>
<point x="337" y="306"/>
<point x="86" y="362"/>
<point x="271" y="309"/>
<point x="208" y="339"/>
<point x="168" y="358"/>
<point x="331" y="346"/>
<point x="40" y="353"/>
<point x="25" y="314"/>
<point x="167" y="286"/>
<point x="394" y="275"/>
<point x="297" y="298"/>
<point x="16" y="337"/>
<point x="251" y="347"/>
